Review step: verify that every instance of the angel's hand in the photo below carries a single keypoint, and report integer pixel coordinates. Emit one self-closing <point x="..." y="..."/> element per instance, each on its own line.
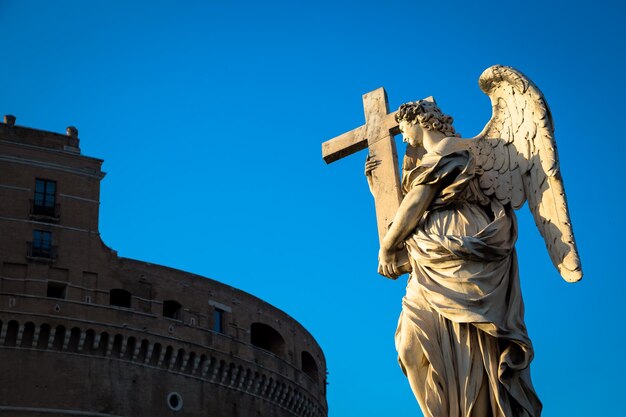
<point x="370" y="165"/>
<point x="388" y="263"/>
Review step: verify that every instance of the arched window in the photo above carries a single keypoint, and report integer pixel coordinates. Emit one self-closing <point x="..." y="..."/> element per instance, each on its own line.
<point x="309" y="366"/>
<point x="119" y="297"/>
<point x="265" y="337"/>
<point x="11" y="334"/>
<point x="172" y="309"/>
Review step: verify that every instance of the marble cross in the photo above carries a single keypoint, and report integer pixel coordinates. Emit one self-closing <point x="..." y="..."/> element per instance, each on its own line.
<point x="377" y="134"/>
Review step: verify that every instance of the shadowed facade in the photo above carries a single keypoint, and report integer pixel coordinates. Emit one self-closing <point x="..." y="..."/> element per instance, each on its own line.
<point x="86" y="332"/>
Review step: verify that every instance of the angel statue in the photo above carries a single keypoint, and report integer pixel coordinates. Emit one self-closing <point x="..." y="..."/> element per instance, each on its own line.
<point x="461" y="337"/>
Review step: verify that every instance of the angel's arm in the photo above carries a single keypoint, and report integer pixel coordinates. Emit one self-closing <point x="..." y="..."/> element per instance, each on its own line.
<point x="408" y="215"/>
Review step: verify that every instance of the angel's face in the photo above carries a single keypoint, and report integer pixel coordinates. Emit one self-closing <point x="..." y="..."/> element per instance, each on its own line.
<point x="412" y="133"/>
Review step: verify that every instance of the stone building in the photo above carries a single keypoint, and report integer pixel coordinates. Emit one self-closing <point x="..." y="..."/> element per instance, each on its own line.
<point x="86" y="332"/>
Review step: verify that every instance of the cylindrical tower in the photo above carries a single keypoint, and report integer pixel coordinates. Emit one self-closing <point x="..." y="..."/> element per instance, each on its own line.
<point x="85" y="332"/>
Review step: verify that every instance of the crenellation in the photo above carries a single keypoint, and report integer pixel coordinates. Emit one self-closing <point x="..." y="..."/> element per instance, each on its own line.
<point x="298" y="403"/>
<point x="36" y="334"/>
<point x="51" y="337"/>
<point x="245" y="374"/>
<point x="96" y="342"/>
<point x="162" y="353"/>
<point x="237" y="376"/>
<point x="278" y="392"/>
<point x="205" y="368"/>
<point x="66" y="340"/>
<point x="135" y="351"/>
<point x="20" y="333"/>
<point x="256" y="383"/>
<point x="249" y="381"/>
<point x="264" y="385"/>
<point x="283" y="395"/>
<point x="185" y="361"/>
<point x="226" y="369"/>
<point x="171" y="358"/>
<point x="123" y="347"/>
<point x="109" y="346"/>
<point x="290" y="398"/>
<point x="180" y="358"/>
<point x="157" y="355"/>
<point x="215" y="371"/>
<point x="81" y="341"/>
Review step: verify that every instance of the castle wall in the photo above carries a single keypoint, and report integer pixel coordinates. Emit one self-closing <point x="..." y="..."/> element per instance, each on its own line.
<point x="85" y="331"/>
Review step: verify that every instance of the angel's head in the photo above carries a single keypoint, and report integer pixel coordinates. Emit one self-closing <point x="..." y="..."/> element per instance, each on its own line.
<point x="427" y="115"/>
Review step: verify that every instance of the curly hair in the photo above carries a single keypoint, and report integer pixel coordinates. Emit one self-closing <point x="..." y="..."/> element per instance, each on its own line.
<point x="428" y="115"/>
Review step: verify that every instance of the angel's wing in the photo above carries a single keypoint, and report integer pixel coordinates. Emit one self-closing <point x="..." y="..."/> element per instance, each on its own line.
<point x="517" y="153"/>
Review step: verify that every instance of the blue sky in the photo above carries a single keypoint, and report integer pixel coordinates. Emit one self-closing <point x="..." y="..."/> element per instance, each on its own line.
<point x="210" y="115"/>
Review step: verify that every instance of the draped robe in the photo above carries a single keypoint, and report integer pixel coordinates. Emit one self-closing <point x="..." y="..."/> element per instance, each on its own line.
<point x="462" y="322"/>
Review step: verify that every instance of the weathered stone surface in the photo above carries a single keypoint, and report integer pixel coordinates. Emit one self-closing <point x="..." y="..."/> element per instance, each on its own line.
<point x="83" y="331"/>
<point x="378" y="136"/>
<point x="461" y="337"/>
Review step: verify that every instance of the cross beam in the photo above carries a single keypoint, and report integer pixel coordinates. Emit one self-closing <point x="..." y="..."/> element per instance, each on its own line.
<point x="377" y="134"/>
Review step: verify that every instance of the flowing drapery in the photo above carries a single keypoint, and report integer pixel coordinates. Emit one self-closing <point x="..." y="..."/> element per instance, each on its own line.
<point x="462" y="323"/>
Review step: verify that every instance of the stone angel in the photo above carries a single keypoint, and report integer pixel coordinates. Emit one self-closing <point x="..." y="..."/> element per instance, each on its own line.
<point x="461" y="337"/>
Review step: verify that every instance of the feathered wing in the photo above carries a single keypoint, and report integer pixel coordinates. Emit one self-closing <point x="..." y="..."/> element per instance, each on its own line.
<point x="518" y="156"/>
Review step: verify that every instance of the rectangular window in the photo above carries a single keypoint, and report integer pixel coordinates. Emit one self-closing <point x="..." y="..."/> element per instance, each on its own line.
<point x="42" y="244"/>
<point x="56" y="289"/>
<point x="218" y="320"/>
<point x="44" y="203"/>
